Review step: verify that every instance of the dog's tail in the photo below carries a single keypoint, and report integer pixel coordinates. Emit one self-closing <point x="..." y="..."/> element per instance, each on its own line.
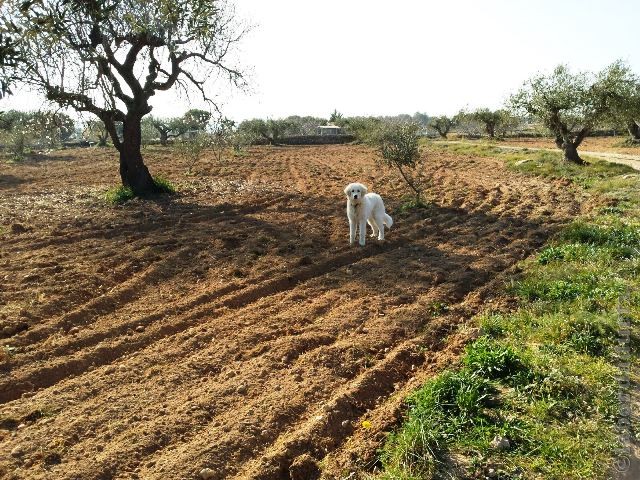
<point x="388" y="221"/>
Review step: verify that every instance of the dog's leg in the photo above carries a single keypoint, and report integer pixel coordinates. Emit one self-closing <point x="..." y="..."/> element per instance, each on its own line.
<point x="380" y="221"/>
<point x="374" y="226"/>
<point x="352" y="231"/>
<point x="363" y="231"/>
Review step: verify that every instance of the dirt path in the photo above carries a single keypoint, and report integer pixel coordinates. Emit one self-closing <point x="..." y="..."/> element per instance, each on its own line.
<point x="232" y="327"/>
<point x="631" y="160"/>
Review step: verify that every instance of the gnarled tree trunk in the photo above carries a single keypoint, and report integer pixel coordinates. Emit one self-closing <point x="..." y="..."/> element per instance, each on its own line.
<point x="634" y="131"/>
<point x="164" y="137"/>
<point x="133" y="172"/>
<point x="570" y="150"/>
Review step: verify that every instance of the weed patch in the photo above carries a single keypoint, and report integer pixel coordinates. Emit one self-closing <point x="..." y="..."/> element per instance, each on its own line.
<point x="121" y="194"/>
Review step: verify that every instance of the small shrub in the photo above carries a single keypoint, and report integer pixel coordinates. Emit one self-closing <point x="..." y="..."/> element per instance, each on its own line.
<point x="438" y="308"/>
<point x="412" y="205"/>
<point x="399" y="148"/>
<point x="119" y="195"/>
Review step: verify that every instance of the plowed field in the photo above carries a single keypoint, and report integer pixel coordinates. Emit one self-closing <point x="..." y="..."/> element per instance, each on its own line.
<point x="231" y="326"/>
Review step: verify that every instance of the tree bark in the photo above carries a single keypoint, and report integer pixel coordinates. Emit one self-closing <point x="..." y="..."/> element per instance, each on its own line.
<point x="491" y="130"/>
<point x="571" y="153"/>
<point x="164" y="136"/>
<point x="441" y="131"/>
<point x="634" y="131"/>
<point x="412" y="185"/>
<point x="133" y="172"/>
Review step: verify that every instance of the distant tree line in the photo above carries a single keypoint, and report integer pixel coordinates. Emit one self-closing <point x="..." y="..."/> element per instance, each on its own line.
<point x="569" y="106"/>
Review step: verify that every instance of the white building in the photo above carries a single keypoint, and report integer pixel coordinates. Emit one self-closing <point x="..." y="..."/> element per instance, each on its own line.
<point x="329" y="130"/>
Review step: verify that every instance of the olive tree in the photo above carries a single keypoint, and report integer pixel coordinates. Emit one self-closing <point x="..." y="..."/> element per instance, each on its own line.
<point x="398" y="148"/>
<point x="194" y="120"/>
<point x="365" y="129"/>
<point x="16" y="132"/>
<point x="466" y="123"/>
<point x="166" y="128"/>
<point x="110" y="57"/>
<point x="52" y="128"/>
<point x="96" y="130"/>
<point x="22" y="131"/>
<point x="625" y="99"/>
<point x="489" y="119"/>
<point x="441" y="124"/>
<point x="569" y="105"/>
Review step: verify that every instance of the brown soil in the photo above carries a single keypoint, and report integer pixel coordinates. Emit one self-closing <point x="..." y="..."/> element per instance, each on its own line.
<point x="231" y="326"/>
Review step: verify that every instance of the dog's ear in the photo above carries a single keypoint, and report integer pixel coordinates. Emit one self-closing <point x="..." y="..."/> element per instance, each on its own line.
<point x="364" y="190"/>
<point x="346" y="190"/>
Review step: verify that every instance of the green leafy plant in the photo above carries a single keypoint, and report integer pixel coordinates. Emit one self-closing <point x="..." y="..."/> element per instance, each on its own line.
<point x="399" y="148"/>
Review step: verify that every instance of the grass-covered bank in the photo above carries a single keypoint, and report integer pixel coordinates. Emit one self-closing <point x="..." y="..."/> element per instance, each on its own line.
<point x="536" y="394"/>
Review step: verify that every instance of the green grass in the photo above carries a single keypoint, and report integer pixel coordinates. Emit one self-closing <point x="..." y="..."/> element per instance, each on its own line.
<point x="163" y="185"/>
<point x="118" y="195"/>
<point x="412" y="204"/>
<point x="543" y="374"/>
<point x="121" y="194"/>
<point x="549" y="164"/>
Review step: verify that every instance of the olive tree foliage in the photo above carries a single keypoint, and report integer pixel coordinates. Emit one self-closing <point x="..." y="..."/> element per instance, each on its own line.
<point x="110" y="57"/>
<point x="398" y="148"/>
<point x="9" y="58"/>
<point x="624" y="100"/>
<point x="570" y="105"/>
<point x="442" y="125"/>
<point x="509" y="123"/>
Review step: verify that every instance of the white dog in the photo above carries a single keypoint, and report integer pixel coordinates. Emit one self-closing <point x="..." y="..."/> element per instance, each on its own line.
<point x="363" y="208"/>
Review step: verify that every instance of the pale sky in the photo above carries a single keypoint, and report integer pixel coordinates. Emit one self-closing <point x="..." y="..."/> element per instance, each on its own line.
<point x="371" y="57"/>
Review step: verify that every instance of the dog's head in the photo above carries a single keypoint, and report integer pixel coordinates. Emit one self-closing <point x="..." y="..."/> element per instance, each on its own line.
<point x="355" y="192"/>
